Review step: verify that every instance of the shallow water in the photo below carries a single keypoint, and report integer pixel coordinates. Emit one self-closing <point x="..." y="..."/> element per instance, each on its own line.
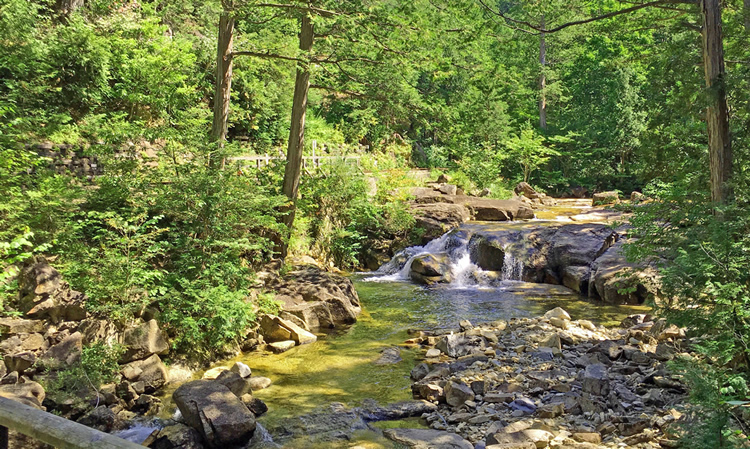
<point x="339" y="366"/>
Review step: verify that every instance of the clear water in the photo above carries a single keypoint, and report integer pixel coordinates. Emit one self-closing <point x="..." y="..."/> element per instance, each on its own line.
<point x="339" y="366"/>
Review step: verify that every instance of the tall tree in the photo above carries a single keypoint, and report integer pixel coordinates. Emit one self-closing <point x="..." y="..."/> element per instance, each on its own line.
<point x="717" y="117"/>
<point x="223" y="87"/>
<point x="717" y="114"/>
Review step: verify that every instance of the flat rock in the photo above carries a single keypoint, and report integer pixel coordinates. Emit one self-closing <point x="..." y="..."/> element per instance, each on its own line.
<point x="20" y="326"/>
<point x="281" y="346"/>
<point x="427" y="439"/>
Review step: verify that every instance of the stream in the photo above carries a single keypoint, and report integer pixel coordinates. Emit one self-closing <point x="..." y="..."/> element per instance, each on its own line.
<point x="339" y="366"/>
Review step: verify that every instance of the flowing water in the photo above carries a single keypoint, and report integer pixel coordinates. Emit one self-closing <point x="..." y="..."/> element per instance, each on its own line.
<point x="339" y="366"/>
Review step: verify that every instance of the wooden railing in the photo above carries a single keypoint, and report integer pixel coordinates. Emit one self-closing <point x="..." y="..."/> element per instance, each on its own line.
<point x="53" y="430"/>
<point x="307" y="161"/>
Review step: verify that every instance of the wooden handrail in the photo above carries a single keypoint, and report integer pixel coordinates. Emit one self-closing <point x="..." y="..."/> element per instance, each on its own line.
<point x="54" y="430"/>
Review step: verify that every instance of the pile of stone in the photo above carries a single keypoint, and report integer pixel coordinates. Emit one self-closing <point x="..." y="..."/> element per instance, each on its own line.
<point x="524" y="192"/>
<point x="553" y="382"/>
<point x="311" y="299"/>
<point x="440" y="207"/>
<point x="50" y="337"/>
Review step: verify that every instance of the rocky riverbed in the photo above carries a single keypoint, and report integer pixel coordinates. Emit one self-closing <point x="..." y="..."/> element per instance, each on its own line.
<point x="551" y="382"/>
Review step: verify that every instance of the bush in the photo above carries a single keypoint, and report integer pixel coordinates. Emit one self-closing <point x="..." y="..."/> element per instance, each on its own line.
<point x="702" y="255"/>
<point x="340" y="214"/>
<point x="96" y="366"/>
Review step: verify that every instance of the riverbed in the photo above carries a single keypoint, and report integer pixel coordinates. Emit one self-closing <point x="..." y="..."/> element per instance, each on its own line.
<point x="340" y="366"/>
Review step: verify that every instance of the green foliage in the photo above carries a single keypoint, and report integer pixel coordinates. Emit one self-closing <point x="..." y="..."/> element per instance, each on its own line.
<point x="529" y="151"/>
<point x="341" y="216"/>
<point x="96" y="366"/>
<point x="201" y="320"/>
<point x="715" y="420"/>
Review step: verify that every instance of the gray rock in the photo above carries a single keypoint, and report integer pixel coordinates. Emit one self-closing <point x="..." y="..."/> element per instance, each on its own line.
<point x="420" y="371"/>
<point x="177" y="436"/>
<point x="215" y="412"/>
<point x="143" y="341"/>
<point x="458" y="393"/>
<point x="66" y="352"/>
<point x="595" y="380"/>
<point x="320" y="299"/>
<point x="427" y="439"/>
<point x="241" y="369"/>
<point x="20" y="362"/>
<point x="236" y="383"/>
<point x="150" y="371"/>
<point x="524" y="405"/>
<point x="103" y="419"/>
<point x="430" y="269"/>
<point x="389" y="356"/>
<point x="458" y="345"/>
<point x="439" y="217"/>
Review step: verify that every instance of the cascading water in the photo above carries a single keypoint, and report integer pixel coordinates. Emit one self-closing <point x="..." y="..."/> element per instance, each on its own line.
<point x="512" y="266"/>
<point x="457" y="246"/>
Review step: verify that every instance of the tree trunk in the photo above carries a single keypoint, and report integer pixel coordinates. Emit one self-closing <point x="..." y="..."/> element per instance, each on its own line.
<point x="746" y="13"/>
<point x="66" y="7"/>
<point x="543" y="80"/>
<point x="297" y="128"/>
<point x="717" y="114"/>
<point x="223" y="79"/>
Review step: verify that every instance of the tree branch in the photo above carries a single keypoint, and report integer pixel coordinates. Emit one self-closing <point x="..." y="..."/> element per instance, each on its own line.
<point x="319" y="11"/>
<point x="265" y="55"/>
<point x="583" y="21"/>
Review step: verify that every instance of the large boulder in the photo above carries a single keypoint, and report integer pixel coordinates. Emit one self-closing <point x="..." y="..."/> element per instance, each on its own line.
<point x="320" y="299"/>
<point x="29" y="393"/>
<point x="438" y="218"/>
<point x="177" y="436"/>
<point x="485" y="209"/>
<point x="43" y="294"/>
<point x="215" y="412"/>
<point x="430" y="269"/>
<point x="19" y="326"/>
<point x="151" y="371"/>
<point x="602" y="198"/>
<point x="143" y="341"/>
<point x="276" y="329"/>
<point x="66" y="352"/>
<point x="427" y="439"/>
<point x="614" y="280"/>
<point x="104" y="331"/>
<point x="525" y="189"/>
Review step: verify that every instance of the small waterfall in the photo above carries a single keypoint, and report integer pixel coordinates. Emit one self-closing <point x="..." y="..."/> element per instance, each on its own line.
<point x="512" y="267"/>
<point x="454" y="244"/>
<point x="458" y="247"/>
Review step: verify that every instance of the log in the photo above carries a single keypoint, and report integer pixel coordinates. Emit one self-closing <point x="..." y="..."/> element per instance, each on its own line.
<point x="56" y="431"/>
